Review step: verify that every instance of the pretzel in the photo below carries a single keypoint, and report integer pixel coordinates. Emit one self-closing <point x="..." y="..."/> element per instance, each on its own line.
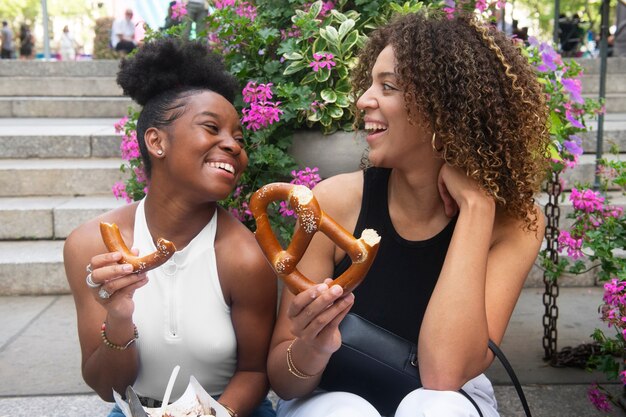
<point x="114" y="243"/>
<point x="311" y="219"/>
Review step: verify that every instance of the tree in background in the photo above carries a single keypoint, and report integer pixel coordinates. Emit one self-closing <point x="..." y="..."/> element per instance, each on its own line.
<point x="543" y="12"/>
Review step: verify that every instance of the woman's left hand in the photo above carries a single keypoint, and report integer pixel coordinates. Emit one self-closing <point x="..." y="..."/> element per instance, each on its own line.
<point x="457" y="189"/>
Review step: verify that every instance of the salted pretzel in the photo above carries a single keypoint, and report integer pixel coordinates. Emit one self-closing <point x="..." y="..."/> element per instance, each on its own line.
<point x="311" y="219"/>
<point x="113" y="240"/>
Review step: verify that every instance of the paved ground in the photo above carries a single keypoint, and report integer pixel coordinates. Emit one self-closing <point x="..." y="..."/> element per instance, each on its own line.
<point x="40" y="360"/>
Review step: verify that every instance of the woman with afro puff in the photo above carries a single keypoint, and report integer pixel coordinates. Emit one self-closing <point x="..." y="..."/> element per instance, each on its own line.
<point x="456" y="127"/>
<point x="211" y="307"/>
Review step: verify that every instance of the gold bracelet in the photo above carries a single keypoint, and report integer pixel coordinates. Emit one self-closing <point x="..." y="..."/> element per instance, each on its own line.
<point x="232" y="412"/>
<point x="292" y="367"/>
<point x="112" y="345"/>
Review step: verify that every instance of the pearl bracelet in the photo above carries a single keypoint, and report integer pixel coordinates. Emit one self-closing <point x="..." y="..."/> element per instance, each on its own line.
<point x="112" y="345"/>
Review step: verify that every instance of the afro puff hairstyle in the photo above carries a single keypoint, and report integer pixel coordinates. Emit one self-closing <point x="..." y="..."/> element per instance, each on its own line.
<point x="162" y="74"/>
<point x="173" y="63"/>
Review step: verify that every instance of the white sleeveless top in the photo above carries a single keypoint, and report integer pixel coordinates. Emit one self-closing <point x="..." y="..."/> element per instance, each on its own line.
<point x="182" y="318"/>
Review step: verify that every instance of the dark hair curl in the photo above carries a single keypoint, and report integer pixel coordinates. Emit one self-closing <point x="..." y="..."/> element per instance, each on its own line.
<point x="481" y="97"/>
<point x="162" y="74"/>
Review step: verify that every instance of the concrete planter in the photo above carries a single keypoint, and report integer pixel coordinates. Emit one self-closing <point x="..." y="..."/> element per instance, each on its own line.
<point x="333" y="154"/>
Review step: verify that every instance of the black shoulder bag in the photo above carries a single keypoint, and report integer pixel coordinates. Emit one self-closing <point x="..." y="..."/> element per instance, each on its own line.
<point x="383" y="366"/>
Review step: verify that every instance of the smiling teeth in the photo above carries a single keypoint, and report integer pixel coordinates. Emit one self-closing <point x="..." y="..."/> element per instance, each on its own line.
<point x="374" y="126"/>
<point x="223" y="165"/>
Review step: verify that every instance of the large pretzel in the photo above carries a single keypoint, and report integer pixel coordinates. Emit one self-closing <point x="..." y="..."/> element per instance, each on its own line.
<point x="113" y="240"/>
<point x="311" y="219"/>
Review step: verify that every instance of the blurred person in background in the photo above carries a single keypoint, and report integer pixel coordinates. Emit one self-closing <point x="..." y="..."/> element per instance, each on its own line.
<point x="123" y="34"/>
<point x="27" y="42"/>
<point x="67" y="45"/>
<point x="7" y="41"/>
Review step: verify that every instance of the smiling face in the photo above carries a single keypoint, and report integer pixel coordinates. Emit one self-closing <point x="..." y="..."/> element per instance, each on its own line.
<point x="392" y="138"/>
<point x="203" y="149"/>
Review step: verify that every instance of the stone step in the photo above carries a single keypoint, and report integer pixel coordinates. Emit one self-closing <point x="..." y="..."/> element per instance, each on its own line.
<point x="614" y="65"/>
<point x="58" y="138"/>
<point x="615" y="83"/>
<point x="614" y="102"/>
<point x="42" y="69"/>
<point x="584" y="172"/>
<point x="59" y="86"/>
<point x="58" y="177"/>
<point x="31" y="218"/>
<point x="90" y="107"/>
<point x="32" y="268"/>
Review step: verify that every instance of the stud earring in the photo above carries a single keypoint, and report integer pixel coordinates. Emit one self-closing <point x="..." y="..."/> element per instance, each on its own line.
<point x="160" y="152"/>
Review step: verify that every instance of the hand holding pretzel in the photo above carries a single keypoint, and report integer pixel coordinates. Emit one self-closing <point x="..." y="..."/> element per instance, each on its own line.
<point x="113" y="240"/>
<point x="311" y="220"/>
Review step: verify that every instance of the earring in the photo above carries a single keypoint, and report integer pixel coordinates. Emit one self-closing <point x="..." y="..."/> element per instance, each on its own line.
<point x="160" y="152"/>
<point x="434" y="143"/>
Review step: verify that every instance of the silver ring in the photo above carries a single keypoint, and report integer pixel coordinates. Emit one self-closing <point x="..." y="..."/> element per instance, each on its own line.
<point x="88" y="269"/>
<point x="90" y="282"/>
<point x="104" y="294"/>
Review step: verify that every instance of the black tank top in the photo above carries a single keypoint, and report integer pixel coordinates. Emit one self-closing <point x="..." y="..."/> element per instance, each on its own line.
<point x="396" y="290"/>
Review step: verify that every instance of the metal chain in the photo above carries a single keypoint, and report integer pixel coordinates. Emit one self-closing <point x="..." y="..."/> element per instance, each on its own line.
<point x="553" y="213"/>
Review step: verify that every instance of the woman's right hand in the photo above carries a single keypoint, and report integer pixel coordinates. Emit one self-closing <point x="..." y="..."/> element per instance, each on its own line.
<point x="119" y="281"/>
<point x="315" y="315"/>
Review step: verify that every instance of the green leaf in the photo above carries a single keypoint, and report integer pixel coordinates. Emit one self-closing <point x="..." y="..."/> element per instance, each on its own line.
<point x="315" y="116"/>
<point x="295" y="67"/>
<point x="330" y="34"/>
<point x="293" y="56"/>
<point x="555" y="122"/>
<point x="309" y="78"/>
<point x="328" y="95"/>
<point x="335" y="112"/>
<point x="342" y="100"/>
<point x="350" y="42"/>
<point x="345" y="27"/>
<point x="322" y="75"/>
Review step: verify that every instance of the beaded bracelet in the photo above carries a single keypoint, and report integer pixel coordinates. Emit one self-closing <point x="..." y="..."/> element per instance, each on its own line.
<point x="112" y="345"/>
<point x="292" y="367"/>
<point x="230" y="411"/>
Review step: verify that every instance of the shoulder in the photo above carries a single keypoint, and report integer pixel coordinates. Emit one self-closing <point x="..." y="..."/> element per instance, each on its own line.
<point x="237" y="244"/>
<point x="340" y="195"/>
<point x="511" y="232"/>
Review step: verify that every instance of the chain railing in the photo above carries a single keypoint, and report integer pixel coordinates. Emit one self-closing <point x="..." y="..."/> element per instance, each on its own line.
<point x="551" y="313"/>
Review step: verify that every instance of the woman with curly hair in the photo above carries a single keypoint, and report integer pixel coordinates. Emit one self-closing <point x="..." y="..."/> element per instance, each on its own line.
<point x="456" y="127"/>
<point x="211" y="307"/>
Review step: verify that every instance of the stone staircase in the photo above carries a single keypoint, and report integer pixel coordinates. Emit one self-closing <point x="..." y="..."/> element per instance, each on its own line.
<point x="59" y="157"/>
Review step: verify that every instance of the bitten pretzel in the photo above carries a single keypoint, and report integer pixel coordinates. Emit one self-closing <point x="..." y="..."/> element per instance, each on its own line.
<point x="311" y="220"/>
<point x="114" y="243"/>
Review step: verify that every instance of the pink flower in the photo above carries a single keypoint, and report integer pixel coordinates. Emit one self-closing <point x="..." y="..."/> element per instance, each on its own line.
<point x="261" y="114"/>
<point x="246" y="9"/>
<point x="285" y="210"/>
<point x="224" y="3"/>
<point x="598" y="398"/>
<point x="573" y="87"/>
<point x="481" y="5"/>
<point x="254" y="92"/>
<point x="572" y="244"/>
<point x="120" y="124"/>
<point x="129" y="146"/>
<point x="322" y="61"/>
<point x="308" y="177"/>
<point x="588" y="200"/>
<point x="179" y="10"/>
<point x="569" y="115"/>
<point x="119" y="191"/>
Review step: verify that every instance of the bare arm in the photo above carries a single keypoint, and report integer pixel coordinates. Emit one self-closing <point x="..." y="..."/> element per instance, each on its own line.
<point x="251" y="287"/>
<point x="103" y="368"/>
<point x="485" y="268"/>
<point x="310" y="320"/>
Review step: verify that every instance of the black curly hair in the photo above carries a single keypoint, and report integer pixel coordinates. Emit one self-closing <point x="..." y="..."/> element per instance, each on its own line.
<point x="481" y="97"/>
<point x="162" y="74"/>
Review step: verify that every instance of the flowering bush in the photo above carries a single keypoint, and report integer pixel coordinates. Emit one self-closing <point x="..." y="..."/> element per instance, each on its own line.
<point x="599" y="228"/>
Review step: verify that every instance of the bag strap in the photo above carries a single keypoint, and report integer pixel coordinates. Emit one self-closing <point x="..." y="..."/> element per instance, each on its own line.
<point x="509" y="369"/>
